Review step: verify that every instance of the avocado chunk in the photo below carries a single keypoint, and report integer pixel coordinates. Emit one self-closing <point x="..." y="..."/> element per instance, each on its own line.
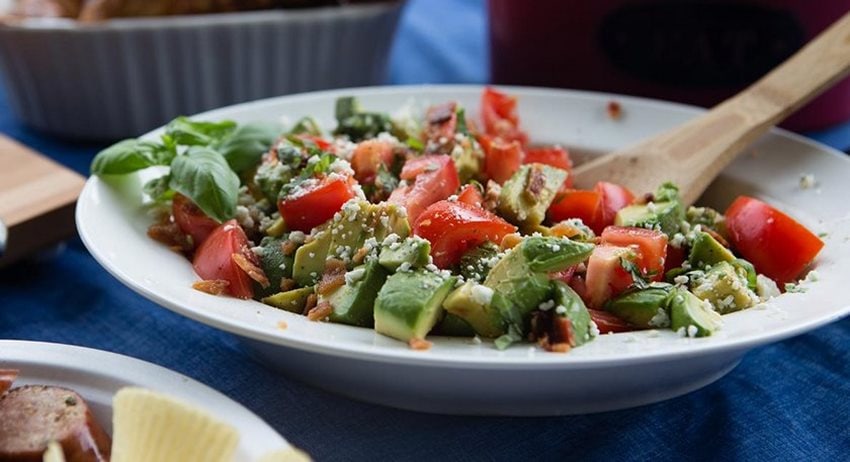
<point x="694" y="316"/>
<point x="569" y="305"/>
<point x="309" y="262"/>
<point x="664" y="216"/>
<point x="706" y="217"/>
<point x="410" y="303"/>
<point x="646" y="308"/>
<point x="527" y="195"/>
<point x="468" y="157"/>
<point x="275" y="264"/>
<point x="478" y="306"/>
<point x="293" y="300"/>
<point x="521" y="276"/>
<point x="706" y="251"/>
<point x="725" y="287"/>
<point x="476" y="263"/>
<point x="353" y="303"/>
<point x="453" y="326"/>
<point x="412" y="252"/>
<point x="358" y="221"/>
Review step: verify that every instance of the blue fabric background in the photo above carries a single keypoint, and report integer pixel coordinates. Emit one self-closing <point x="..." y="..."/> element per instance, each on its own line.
<point x="788" y="401"/>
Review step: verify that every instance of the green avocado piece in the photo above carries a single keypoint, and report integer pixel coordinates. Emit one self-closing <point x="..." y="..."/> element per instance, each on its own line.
<point x="527" y="195"/>
<point x="412" y="251"/>
<point x="353" y="303"/>
<point x="410" y="303"/>
<point x="453" y="326"/>
<point x="270" y="178"/>
<point x="309" y="262"/>
<point x="726" y="288"/>
<point x="521" y="276"/>
<point x="574" y="310"/>
<point x="664" y="216"/>
<point x="359" y="221"/>
<point x="293" y="300"/>
<point x="706" y="251"/>
<point x="693" y="315"/>
<point x="476" y="263"/>
<point x="478" y="306"/>
<point x="275" y="264"/>
<point x="646" y="308"/>
<point x="704" y="216"/>
<point x="468" y="157"/>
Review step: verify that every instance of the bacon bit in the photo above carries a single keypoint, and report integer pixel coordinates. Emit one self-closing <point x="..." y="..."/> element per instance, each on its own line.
<point x="536" y="182"/>
<point x="282" y="325"/>
<point x="333" y="277"/>
<point x="559" y="348"/>
<point x="553" y="332"/>
<point x="212" y="286"/>
<point x="288" y="247"/>
<point x="287" y="284"/>
<point x="491" y="196"/>
<point x="510" y="241"/>
<point x="419" y="344"/>
<point x="7" y="377"/>
<point x="615" y="111"/>
<point x="320" y="311"/>
<point x="441" y="113"/>
<point x="169" y="233"/>
<point x="717" y="237"/>
<point x="360" y="255"/>
<point x="254" y="272"/>
<point x="311" y="302"/>
<point x="564" y="230"/>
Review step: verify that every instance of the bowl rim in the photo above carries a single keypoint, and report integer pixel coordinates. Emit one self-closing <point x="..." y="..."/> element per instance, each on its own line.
<point x="299" y="15"/>
<point x="403" y="355"/>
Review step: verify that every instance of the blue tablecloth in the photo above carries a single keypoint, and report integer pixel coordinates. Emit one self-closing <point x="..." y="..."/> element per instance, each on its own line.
<point x="788" y="401"/>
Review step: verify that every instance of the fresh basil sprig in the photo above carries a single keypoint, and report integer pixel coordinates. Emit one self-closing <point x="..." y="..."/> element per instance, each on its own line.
<point x="132" y="155"/>
<point x="244" y="147"/>
<point x="204" y="176"/>
<point x="197" y="133"/>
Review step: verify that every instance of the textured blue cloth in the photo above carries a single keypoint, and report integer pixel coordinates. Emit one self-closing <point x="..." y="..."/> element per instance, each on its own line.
<point x="788" y="401"/>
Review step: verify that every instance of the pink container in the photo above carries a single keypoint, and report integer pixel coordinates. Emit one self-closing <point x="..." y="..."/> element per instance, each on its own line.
<point x="692" y="52"/>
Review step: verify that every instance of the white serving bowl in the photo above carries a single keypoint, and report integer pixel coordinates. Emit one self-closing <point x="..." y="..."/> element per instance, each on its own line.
<point x="458" y="376"/>
<point x="123" y="77"/>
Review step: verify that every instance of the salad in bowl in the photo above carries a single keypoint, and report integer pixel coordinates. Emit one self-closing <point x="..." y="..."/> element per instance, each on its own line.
<point x="438" y="224"/>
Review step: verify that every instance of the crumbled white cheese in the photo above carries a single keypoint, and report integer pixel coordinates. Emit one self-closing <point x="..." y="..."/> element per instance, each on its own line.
<point x="404" y="267"/>
<point x="813" y="276"/>
<point x="661" y="319"/>
<point x="807" y="181"/>
<point x="481" y="294"/>
<point x="354" y="275"/>
<point x="692" y="331"/>
<point x="547" y="305"/>
<point x="594" y="329"/>
<point x="561" y="309"/>
<point x="680" y="279"/>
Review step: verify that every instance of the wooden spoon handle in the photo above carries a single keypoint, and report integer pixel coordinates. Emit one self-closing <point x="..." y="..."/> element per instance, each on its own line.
<point x="693" y="154"/>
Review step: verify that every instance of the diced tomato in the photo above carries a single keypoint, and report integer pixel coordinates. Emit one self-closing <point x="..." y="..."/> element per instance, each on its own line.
<point x="597" y="208"/>
<point x="501" y="158"/>
<point x="442" y="121"/>
<point x="675" y="257"/>
<point x="470" y="194"/>
<point x="565" y="276"/>
<point x="191" y="219"/>
<point x="605" y="276"/>
<point x="452" y="228"/>
<point x="214" y="259"/>
<point x="776" y="244"/>
<point x="575" y="203"/>
<point x="555" y="156"/>
<point x="500" y="117"/>
<point x="320" y="142"/>
<point x="608" y="322"/>
<point x="434" y="178"/>
<point x="315" y="203"/>
<point x="368" y="156"/>
<point x="612" y="198"/>
<point x="651" y="246"/>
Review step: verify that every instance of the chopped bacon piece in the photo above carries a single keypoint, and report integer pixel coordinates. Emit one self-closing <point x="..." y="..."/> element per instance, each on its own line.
<point x="419" y="344"/>
<point x="253" y="270"/>
<point x="212" y="286"/>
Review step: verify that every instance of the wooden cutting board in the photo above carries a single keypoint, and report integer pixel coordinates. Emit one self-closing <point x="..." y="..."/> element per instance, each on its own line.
<point x="37" y="200"/>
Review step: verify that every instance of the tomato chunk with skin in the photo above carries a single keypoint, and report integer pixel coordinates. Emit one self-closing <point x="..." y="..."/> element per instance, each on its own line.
<point x="612" y="198"/>
<point x="452" y="228"/>
<point x="651" y="246"/>
<point x="605" y="277"/>
<point x="442" y="121"/>
<point x="214" y="259"/>
<point x="470" y="194"/>
<point x="500" y="117"/>
<point x="315" y="202"/>
<point x="776" y="244"/>
<point x="191" y="219"/>
<point x="554" y="156"/>
<point x="368" y="156"/>
<point x="433" y="178"/>
<point x="608" y="322"/>
<point x="575" y="204"/>
<point x="501" y="158"/>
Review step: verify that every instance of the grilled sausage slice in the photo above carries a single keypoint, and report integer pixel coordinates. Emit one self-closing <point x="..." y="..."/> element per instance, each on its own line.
<point x="33" y="415"/>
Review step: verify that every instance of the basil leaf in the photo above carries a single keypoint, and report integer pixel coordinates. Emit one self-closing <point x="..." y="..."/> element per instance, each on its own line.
<point x="204" y="176"/>
<point x="187" y="132"/>
<point x="306" y="126"/>
<point x="129" y="156"/>
<point x="245" y="146"/>
<point x="159" y="189"/>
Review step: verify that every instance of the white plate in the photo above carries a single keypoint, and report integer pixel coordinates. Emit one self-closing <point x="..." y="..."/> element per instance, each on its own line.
<point x="97" y="375"/>
<point x="456" y="375"/>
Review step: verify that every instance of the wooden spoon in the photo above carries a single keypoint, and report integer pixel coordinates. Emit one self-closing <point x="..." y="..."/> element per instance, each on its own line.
<point x="693" y="154"/>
